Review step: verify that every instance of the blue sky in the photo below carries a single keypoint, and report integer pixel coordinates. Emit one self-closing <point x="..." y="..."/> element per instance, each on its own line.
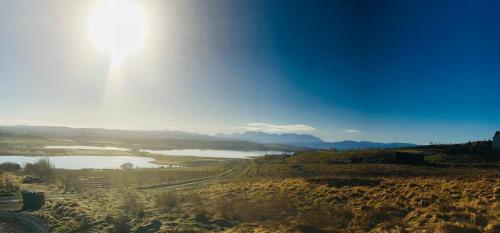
<point x="411" y="71"/>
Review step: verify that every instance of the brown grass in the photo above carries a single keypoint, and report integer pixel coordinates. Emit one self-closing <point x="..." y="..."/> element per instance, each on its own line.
<point x="294" y="195"/>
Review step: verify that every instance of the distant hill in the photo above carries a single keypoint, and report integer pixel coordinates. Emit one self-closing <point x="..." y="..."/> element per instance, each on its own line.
<point x="62" y="131"/>
<point x="308" y="141"/>
<point x="167" y="139"/>
<point x="140" y="139"/>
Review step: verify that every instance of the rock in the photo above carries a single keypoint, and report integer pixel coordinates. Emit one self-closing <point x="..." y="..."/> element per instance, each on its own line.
<point x="201" y="217"/>
<point x="222" y="222"/>
<point x="153" y="226"/>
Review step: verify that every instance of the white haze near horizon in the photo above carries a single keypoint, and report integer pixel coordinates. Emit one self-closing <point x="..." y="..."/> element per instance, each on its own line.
<point x="109" y="148"/>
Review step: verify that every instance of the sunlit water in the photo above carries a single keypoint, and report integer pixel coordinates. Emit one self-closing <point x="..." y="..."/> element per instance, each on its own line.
<point x="216" y="153"/>
<point x="88" y="148"/>
<point x="76" y="162"/>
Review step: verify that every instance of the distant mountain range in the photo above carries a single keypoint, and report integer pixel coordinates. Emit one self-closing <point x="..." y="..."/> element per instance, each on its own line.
<point x="268" y="138"/>
<point x="308" y="141"/>
<point x="250" y="140"/>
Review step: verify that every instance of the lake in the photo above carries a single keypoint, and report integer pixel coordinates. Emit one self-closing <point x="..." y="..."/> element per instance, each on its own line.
<point x="183" y="152"/>
<point x="76" y="162"/>
<point x="216" y="153"/>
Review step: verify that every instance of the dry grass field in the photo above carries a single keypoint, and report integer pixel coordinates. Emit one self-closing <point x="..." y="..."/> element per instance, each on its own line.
<point x="302" y="193"/>
<point x="359" y="205"/>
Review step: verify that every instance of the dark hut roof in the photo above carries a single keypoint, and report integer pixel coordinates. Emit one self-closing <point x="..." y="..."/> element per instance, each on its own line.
<point x="497" y="134"/>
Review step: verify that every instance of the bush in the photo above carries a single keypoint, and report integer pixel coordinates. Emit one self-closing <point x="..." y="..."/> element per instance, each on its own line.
<point x="85" y="224"/>
<point x="140" y="213"/>
<point x="201" y="216"/>
<point x="262" y="209"/>
<point x="42" y="168"/>
<point x="120" y="225"/>
<point x="453" y="228"/>
<point x="385" y="213"/>
<point x="127" y="166"/>
<point x="167" y="201"/>
<point x="131" y="206"/>
<point x="9" y="167"/>
<point x="326" y="216"/>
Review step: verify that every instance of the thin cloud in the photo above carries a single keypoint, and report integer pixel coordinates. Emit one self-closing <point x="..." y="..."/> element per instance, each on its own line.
<point x="272" y="128"/>
<point x="25" y="122"/>
<point x="352" y="131"/>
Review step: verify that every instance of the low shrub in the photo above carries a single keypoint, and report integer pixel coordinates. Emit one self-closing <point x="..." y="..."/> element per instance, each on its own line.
<point x="9" y="167"/>
<point x="261" y="209"/>
<point x="384" y="213"/>
<point x="43" y="168"/>
<point x="167" y="201"/>
<point x="131" y="206"/>
<point x="331" y="216"/>
<point x="453" y="228"/>
<point x="120" y="224"/>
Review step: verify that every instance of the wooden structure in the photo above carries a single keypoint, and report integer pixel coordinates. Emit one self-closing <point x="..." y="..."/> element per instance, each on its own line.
<point x="91" y="183"/>
<point x="496" y="141"/>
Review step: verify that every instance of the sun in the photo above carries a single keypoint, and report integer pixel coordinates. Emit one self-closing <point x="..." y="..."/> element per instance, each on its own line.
<point x="118" y="27"/>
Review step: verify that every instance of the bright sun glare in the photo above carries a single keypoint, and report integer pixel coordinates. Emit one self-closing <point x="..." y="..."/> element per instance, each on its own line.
<point x="118" y="27"/>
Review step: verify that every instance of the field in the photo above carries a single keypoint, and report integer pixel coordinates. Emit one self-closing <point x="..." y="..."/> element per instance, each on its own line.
<point x="308" y="192"/>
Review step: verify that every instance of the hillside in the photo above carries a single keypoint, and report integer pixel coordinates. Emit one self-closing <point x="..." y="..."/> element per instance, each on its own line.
<point x="168" y="139"/>
<point x="309" y="141"/>
<point x="134" y="139"/>
<point x="353" y="145"/>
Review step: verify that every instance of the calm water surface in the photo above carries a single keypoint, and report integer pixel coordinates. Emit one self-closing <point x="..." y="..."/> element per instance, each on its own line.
<point x="216" y="153"/>
<point x="76" y="162"/>
<point x="182" y="152"/>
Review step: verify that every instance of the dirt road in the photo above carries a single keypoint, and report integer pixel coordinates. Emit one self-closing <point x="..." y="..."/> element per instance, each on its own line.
<point x="239" y="168"/>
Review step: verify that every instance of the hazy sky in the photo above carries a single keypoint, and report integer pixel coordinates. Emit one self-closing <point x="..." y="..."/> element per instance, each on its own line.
<point x="411" y="71"/>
